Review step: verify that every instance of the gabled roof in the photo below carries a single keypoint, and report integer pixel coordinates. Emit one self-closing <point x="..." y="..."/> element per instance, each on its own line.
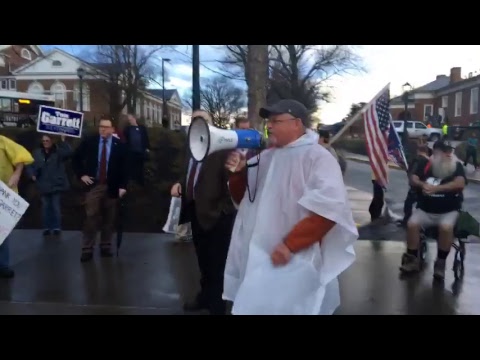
<point x="159" y="93"/>
<point x="55" y="50"/>
<point x="440" y="82"/>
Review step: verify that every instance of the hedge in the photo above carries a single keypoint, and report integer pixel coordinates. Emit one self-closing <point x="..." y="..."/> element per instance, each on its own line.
<point x="146" y="208"/>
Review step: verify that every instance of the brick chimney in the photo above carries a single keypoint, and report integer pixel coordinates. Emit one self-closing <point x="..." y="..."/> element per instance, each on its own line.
<point x="455" y="75"/>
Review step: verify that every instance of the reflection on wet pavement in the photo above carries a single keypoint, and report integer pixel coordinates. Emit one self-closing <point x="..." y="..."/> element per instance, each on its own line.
<point x="153" y="276"/>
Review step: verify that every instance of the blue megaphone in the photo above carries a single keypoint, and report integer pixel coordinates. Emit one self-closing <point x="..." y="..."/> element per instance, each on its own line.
<point x="204" y="139"/>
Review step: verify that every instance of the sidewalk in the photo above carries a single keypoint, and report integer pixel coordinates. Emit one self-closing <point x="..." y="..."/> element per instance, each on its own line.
<point x="153" y="276"/>
<point x="472" y="175"/>
<point x="360" y="201"/>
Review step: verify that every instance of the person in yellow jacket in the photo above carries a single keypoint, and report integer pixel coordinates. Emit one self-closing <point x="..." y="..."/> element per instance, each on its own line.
<point x="445" y="130"/>
<point x="13" y="158"/>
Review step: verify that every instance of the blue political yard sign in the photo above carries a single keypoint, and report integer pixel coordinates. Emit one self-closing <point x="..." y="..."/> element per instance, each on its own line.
<point x="57" y="121"/>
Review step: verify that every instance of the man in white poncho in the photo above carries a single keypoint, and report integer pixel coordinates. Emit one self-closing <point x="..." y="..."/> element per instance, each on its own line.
<point x="294" y="231"/>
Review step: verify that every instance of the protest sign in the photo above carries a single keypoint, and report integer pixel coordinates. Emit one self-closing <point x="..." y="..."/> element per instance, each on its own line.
<point x="57" y="121"/>
<point x="12" y="208"/>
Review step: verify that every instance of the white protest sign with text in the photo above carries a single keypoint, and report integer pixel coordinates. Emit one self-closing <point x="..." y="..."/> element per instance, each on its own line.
<point x="12" y="208"/>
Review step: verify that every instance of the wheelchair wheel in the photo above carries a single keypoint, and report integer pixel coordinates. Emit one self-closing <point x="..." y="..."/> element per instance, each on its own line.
<point x="458" y="266"/>
<point x="423" y="250"/>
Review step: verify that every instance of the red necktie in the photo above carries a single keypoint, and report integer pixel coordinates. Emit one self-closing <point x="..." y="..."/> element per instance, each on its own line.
<point x="191" y="180"/>
<point x="102" y="178"/>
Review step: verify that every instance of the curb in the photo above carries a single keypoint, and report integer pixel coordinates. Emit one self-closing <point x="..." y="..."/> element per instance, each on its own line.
<point x="394" y="166"/>
<point x="366" y="161"/>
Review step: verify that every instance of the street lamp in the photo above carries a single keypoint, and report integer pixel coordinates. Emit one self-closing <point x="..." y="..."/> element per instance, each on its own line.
<point x="406" y="116"/>
<point x="81" y="74"/>
<point x="164" y="102"/>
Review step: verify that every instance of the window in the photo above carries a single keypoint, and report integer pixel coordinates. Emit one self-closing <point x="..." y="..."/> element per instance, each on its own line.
<point x="5" y="105"/>
<point x="85" y="97"/>
<point x="56" y="63"/>
<point x="4" y="85"/>
<point x="397" y="124"/>
<point x="26" y="54"/>
<point x="474" y="101"/>
<point x="13" y="84"/>
<point x="458" y="104"/>
<point x="35" y="88"/>
<point x="420" y="126"/>
<point x="427" y="111"/>
<point x="58" y="90"/>
<point x="409" y="125"/>
<point x="445" y="101"/>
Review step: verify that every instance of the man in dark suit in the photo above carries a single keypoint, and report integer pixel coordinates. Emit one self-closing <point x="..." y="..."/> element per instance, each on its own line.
<point x="207" y="205"/>
<point x="100" y="162"/>
<point x="138" y="147"/>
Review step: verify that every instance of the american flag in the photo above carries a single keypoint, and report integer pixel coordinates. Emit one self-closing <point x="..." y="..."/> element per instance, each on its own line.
<point x="377" y="126"/>
<point x="395" y="148"/>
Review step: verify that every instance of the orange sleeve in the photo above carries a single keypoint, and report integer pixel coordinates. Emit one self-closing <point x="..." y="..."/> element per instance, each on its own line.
<point x="237" y="185"/>
<point x="308" y="231"/>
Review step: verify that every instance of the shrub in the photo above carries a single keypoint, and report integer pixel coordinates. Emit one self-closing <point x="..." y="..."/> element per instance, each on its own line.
<point x="146" y="209"/>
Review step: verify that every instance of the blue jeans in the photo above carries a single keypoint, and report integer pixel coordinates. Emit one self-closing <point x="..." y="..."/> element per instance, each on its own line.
<point x="51" y="211"/>
<point x="5" y="254"/>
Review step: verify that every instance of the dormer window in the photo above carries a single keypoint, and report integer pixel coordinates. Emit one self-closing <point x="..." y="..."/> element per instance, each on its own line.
<point x="56" y="63"/>
<point x="26" y="54"/>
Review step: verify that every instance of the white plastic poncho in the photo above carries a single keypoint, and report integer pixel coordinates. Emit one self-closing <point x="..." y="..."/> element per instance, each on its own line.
<point x="292" y="183"/>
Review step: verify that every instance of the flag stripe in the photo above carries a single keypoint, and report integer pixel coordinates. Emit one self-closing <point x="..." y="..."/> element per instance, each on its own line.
<point x="377" y="126"/>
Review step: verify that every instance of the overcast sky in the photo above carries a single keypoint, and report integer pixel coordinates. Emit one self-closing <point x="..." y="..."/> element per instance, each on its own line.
<point x="397" y="64"/>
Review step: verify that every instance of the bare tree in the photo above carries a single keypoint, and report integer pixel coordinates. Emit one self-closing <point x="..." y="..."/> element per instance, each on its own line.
<point x="221" y="98"/>
<point x="297" y="71"/>
<point x="127" y="69"/>
<point x="354" y="109"/>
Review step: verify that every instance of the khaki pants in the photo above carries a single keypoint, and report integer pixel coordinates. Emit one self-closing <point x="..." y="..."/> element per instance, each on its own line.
<point x="100" y="213"/>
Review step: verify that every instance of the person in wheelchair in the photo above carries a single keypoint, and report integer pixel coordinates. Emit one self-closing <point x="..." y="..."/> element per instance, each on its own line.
<point x="441" y="181"/>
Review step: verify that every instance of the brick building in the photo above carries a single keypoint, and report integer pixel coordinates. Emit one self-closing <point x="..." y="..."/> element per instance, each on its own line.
<point x="452" y="98"/>
<point x="55" y="73"/>
<point x="11" y="58"/>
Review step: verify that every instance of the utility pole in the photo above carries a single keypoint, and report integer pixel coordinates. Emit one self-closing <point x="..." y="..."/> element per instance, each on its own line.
<point x="257" y="82"/>
<point x="195" y="77"/>
<point x="165" y="122"/>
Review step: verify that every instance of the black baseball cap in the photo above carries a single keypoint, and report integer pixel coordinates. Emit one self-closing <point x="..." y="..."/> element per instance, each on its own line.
<point x="286" y="106"/>
<point x="443" y="145"/>
<point x="324" y="134"/>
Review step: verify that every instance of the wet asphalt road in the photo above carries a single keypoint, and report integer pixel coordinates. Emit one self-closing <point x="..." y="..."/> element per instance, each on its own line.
<point x="153" y="276"/>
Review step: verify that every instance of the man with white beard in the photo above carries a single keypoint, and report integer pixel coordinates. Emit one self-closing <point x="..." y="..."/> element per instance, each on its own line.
<point x="442" y="181"/>
<point x="294" y="231"/>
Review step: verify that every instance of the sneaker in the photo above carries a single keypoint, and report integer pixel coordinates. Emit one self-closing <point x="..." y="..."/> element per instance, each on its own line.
<point x="410" y="263"/>
<point x="439" y="269"/>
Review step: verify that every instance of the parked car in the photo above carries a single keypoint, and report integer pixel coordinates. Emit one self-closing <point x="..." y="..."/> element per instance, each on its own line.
<point x="417" y="129"/>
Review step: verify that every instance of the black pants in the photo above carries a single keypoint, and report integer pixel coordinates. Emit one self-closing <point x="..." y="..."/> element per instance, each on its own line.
<point x="211" y="247"/>
<point x="137" y="167"/>
<point x="408" y="205"/>
<point x="376" y="205"/>
<point x="471" y="152"/>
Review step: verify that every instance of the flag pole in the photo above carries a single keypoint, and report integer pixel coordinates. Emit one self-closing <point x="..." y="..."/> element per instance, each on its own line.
<point x="357" y="116"/>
